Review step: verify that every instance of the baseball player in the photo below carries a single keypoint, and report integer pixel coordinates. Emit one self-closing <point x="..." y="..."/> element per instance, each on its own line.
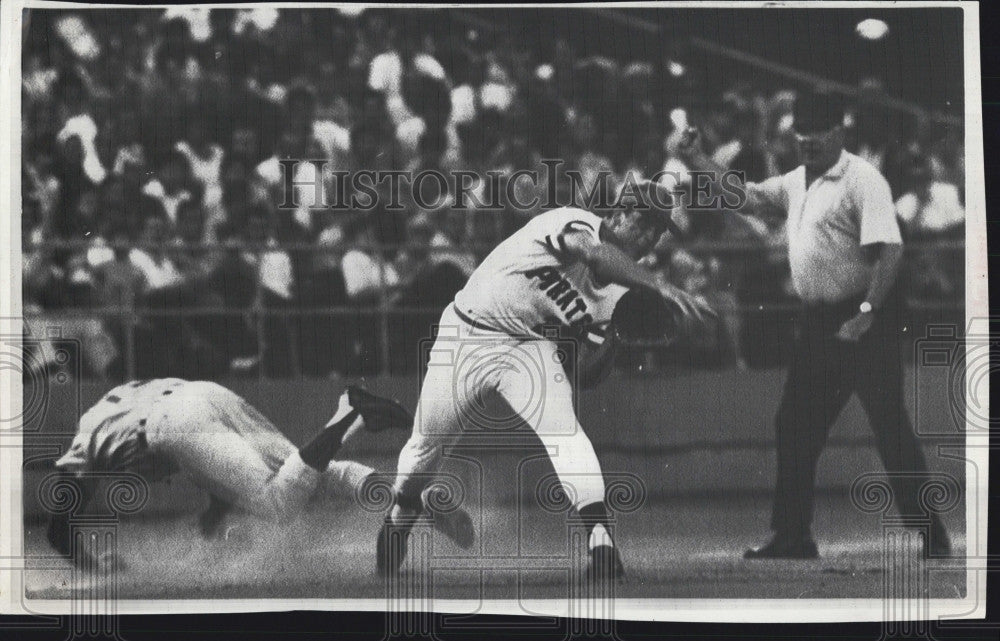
<point x="562" y="275"/>
<point x="228" y="448"/>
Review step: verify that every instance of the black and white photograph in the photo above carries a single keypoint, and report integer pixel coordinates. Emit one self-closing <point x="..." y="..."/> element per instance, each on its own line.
<point x="596" y="312"/>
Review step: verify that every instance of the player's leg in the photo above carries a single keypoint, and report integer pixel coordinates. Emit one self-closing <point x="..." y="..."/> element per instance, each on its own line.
<point x="438" y="421"/>
<point x="210" y="435"/>
<point x="553" y="418"/>
<point x="360" y="410"/>
<point x="818" y="385"/>
<point x="419" y="459"/>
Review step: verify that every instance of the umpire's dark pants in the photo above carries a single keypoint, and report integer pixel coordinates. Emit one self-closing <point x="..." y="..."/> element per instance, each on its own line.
<point x="824" y="372"/>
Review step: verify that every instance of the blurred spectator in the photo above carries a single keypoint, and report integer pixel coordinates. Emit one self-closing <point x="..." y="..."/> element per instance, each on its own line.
<point x="365" y="273"/>
<point x="204" y="159"/>
<point x="931" y="208"/>
<point x="153" y="259"/>
<point x="120" y="281"/>
<point x="172" y="186"/>
<point x="168" y="128"/>
<point x="275" y="284"/>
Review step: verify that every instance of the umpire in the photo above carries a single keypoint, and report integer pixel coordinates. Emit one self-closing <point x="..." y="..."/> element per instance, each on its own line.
<point x="844" y="250"/>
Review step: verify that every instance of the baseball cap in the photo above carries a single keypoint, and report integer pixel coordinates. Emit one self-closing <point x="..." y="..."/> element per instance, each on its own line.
<point x="654" y="201"/>
<point x="818" y="111"/>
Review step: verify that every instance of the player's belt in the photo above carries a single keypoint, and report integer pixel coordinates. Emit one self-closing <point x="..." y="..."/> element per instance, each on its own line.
<point x="465" y="318"/>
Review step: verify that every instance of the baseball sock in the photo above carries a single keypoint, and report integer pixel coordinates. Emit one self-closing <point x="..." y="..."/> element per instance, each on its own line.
<point x="595" y="518"/>
<point x="318" y="452"/>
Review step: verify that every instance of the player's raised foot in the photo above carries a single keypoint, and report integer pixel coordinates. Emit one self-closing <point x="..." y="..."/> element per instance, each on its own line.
<point x="785" y="547"/>
<point x="605" y="566"/>
<point x="346" y="412"/>
<point x="379" y="413"/>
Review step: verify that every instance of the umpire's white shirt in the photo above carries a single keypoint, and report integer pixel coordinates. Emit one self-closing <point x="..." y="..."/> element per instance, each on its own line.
<point x="829" y="223"/>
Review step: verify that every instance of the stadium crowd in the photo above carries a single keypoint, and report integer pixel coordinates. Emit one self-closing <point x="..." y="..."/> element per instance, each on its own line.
<point x="151" y="181"/>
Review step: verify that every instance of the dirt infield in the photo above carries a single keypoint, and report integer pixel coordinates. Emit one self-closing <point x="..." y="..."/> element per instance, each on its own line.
<point x="700" y="455"/>
<point x="684" y="548"/>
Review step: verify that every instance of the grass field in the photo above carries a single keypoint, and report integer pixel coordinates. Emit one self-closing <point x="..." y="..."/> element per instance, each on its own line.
<point x="686" y="548"/>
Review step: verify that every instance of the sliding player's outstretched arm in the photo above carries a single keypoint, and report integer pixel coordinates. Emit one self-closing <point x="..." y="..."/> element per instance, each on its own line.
<point x="59" y="533"/>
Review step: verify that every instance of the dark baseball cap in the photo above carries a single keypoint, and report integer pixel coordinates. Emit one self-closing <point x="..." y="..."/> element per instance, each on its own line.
<point x="818" y="111"/>
<point x="654" y="201"/>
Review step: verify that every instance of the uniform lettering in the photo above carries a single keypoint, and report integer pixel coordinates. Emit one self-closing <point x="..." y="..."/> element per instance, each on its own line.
<point x="578" y="307"/>
<point x="559" y="289"/>
<point x="565" y="301"/>
<point x="547" y="276"/>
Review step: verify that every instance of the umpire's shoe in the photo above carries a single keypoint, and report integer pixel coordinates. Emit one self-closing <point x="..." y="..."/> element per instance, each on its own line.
<point x="605" y="566"/>
<point x="783" y="546"/>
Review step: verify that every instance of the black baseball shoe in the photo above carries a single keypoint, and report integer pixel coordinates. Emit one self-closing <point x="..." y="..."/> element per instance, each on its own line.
<point x="605" y="566"/>
<point x="785" y="547"/>
<point x="391" y="547"/>
<point x="937" y="545"/>
<point x="210" y="521"/>
<point x="455" y="524"/>
<point x="379" y="413"/>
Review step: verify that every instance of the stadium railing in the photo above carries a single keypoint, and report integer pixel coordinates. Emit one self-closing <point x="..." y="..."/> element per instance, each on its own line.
<point x="382" y="308"/>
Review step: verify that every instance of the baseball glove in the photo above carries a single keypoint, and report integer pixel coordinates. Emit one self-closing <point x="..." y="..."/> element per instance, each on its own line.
<point x="644" y="316"/>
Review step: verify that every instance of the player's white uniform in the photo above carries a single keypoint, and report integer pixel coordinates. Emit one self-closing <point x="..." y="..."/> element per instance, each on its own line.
<point x="206" y="431"/>
<point x="500" y="336"/>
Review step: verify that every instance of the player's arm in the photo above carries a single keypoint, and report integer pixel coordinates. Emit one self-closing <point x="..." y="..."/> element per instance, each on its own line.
<point x="613" y="265"/>
<point x="608" y="263"/>
<point x="58" y="533"/>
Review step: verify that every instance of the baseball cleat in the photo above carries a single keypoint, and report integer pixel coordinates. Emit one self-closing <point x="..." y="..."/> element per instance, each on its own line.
<point x="456" y="525"/>
<point x="379" y="413"/>
<point x="346" y="412"/>
<point x="605" y="566"/>
<point x="390" y="547"/>
<point x="783" y="547"/>
<point x="936" y="544"/>
<point x="210" y="522"/>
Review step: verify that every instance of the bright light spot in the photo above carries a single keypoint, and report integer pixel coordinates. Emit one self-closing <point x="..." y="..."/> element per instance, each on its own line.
<point x="872" y="29"/>
<point x="679" y="119"/>
<point x="676" y="69"/>
<point x="351" y="10"/>
<point x="544" y="72"/>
